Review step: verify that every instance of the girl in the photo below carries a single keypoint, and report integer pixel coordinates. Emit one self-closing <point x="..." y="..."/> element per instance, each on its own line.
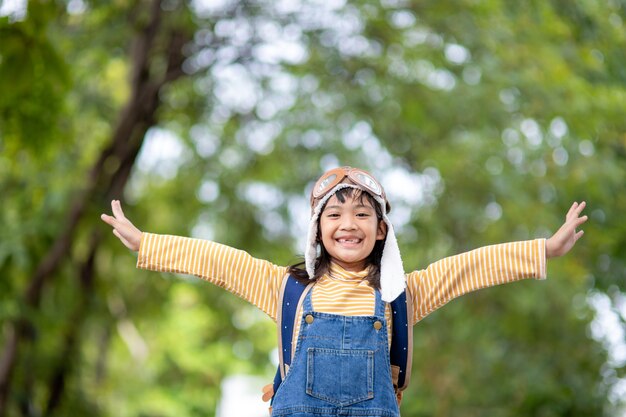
<point x="341" y="361"/>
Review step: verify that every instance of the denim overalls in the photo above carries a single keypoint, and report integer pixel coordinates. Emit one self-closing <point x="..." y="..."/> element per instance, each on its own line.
<point x="340" y="368"/>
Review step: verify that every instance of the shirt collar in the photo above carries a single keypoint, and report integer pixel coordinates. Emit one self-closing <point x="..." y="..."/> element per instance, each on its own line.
<point x="336" y="271"/>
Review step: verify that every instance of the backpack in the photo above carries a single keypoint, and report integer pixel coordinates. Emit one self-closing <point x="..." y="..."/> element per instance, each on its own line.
<point x="291" y="296"/>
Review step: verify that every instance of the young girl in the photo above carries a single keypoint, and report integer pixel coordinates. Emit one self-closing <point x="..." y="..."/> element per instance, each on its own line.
<point x="340" y="364"/>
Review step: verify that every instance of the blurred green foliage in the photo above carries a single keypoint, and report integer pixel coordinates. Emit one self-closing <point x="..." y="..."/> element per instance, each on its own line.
<point x="502" y="113"/>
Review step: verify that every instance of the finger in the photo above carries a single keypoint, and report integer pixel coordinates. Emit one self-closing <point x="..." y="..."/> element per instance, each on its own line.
<point x="125" y="241"/>
<point x="117" y="209"/>
<point x="578" y="235"/>
<point x="108" y="219"/>
<point x="580" y="220"/>
<point x="571" y="210"/>
<point x="122" y="238"/>
<point x="118" y="234"/>
<point x="580" y="208"/>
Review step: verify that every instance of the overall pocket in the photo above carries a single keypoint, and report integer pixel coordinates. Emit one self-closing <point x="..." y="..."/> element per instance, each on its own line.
<point x="340" y="376"/>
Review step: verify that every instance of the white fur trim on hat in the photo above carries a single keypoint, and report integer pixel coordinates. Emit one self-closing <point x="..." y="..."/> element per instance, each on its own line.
<point x="392" y="278"/>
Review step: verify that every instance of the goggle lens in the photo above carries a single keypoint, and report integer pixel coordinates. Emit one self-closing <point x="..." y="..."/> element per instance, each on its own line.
<point x="368" y="182"/>
<point x="324" y="185"/>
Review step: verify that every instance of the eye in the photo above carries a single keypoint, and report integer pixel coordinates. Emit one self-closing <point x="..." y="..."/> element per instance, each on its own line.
<point x="363" y="214"/>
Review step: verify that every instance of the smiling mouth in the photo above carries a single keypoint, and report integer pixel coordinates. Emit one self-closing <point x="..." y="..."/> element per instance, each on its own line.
<point x="349" y="241"/>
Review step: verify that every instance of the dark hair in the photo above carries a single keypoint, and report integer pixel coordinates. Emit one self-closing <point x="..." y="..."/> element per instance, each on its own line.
<point x="322" y="263"/>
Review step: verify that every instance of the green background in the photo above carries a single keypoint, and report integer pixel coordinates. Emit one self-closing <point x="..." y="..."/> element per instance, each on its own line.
<point x="212" y="119"/>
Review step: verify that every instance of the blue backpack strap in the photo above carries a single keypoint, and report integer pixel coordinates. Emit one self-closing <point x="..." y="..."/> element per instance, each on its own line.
<point x="401" y="350"/>
<point x="290" y="297"/>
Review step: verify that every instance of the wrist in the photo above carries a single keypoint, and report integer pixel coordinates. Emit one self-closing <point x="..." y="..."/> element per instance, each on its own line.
<point x="138" y="241"/>
<point x="549" y="248"/>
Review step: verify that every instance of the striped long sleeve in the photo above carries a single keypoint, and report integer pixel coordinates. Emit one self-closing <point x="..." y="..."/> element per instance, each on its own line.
<point x="488" y="266"/>
<point x="258" y="281"/>
<point x="255" y="280"/>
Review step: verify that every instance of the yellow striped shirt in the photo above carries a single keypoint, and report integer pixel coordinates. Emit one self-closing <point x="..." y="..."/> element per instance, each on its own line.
<point x="341" y="292"/>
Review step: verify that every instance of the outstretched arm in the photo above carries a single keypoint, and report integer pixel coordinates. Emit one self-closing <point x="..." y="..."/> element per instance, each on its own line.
<point x="255" y="280"/>
<point x="564" y="239"/>
<point x="122" y="227"/>
<point x="491" y="265"/>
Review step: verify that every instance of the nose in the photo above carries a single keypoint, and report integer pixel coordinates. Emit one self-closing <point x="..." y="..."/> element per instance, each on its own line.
<point x="347" y="223"/>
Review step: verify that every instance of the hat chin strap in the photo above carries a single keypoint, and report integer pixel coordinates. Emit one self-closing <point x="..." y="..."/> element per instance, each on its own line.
<point x="392" y="277"/>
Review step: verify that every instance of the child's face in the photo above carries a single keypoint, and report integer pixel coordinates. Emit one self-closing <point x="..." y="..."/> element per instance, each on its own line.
<point x="350" y="230"/>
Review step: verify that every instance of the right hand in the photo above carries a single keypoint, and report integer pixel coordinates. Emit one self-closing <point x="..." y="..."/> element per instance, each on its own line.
<point x="122" y="227"/>
<point x="564" y="239"/>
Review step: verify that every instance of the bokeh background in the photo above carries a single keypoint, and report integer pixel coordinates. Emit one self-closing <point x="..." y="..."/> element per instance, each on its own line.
<point x="484" y="120"/>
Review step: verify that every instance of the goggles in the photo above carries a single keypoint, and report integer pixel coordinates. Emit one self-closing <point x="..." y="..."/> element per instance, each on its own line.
<point x="358" y="177"/>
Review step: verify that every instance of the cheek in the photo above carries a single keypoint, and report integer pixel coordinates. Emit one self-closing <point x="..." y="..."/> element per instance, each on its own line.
<point x="323" y="231"/>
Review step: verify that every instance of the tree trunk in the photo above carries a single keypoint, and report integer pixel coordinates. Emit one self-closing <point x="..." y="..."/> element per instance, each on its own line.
<point x="134" y="121"/>
<point x="70" y="342"/>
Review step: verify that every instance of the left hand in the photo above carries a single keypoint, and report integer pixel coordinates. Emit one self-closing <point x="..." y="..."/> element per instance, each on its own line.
<point x="564" y="239"/>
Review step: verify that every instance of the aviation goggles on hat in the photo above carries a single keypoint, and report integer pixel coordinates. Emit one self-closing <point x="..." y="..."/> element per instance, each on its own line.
<point x="358" y="177"/>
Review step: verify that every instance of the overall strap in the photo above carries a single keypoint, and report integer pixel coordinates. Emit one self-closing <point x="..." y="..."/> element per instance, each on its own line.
<point x="379" y="306"/>
<point x="401" y="349"/>
<point x="292" y="293"/>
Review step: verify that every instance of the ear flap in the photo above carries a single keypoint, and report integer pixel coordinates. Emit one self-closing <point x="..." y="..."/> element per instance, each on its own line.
<point x="392" y="278"/>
